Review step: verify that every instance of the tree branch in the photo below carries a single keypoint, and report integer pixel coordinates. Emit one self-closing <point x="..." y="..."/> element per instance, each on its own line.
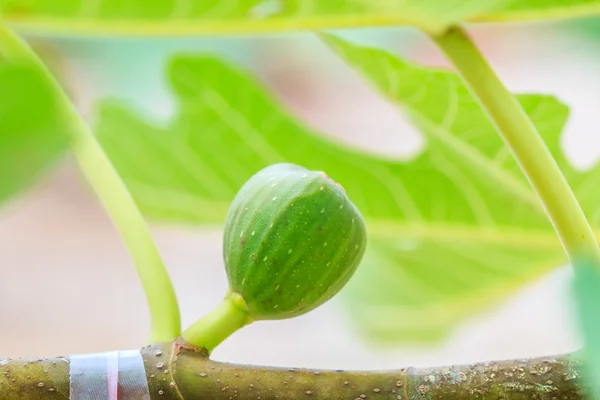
<point x="177" y="372"/>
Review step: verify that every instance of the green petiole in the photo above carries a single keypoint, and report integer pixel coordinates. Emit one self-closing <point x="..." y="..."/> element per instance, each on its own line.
<point x="527" y="146"/>
<point x="118" y="202"/>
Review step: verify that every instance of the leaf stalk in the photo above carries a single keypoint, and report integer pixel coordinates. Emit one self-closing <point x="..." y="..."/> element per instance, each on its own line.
<point x="527" y="146"/>
<point x="114" y="195"/>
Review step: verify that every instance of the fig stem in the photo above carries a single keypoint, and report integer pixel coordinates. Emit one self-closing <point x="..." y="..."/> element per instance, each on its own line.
<point x="114" y="195"/>
<point x="220" y="323"/>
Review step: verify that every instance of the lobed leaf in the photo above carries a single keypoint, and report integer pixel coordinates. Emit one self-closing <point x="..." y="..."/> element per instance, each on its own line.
<point x="438" y="102"/>
<point x="451" y="231"/>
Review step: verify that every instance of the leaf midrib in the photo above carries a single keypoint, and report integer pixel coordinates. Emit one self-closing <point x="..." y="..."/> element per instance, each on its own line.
<point x="386" y="229"/>
<point x="201" y="27"/>
<point x="556" y="13"/>
<point x="389" y="229"/>
<point x="245" y="26"/>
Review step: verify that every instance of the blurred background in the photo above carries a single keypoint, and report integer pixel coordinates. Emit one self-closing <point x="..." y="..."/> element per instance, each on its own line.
<point x="68" y="285"/>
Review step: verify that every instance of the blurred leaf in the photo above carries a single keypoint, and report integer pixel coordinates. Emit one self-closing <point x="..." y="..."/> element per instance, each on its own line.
<point x="188" y="17"/>
<point x="589" y="28"/>
<point x="531" y="10"/>
<point x="451" y="230"/>
<point x="218" y="16"/>
<point x="586" y="293"/>
<point x="31" y="134"/>
<point x="439" y="103"/>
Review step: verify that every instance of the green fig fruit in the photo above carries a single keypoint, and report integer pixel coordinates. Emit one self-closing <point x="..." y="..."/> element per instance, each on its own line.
<point x="292" y="240"/>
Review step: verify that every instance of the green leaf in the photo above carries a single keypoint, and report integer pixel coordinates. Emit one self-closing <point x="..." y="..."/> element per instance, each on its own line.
<point x="451" y="231"/>
<point x="439" y="103"/>
<point x="203" y="17"/>
<point x="532" y="10"/>
<point x="586" y="293"/>
<point x="173" y="17"/>
<point x="31" y="134"/>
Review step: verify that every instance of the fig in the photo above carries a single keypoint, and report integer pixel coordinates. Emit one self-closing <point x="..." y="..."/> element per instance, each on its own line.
<point x="292" y="240"/>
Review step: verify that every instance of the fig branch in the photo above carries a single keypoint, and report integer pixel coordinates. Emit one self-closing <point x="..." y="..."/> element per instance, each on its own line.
<point x="175" y="372"/>
<point x="118" y="202"/>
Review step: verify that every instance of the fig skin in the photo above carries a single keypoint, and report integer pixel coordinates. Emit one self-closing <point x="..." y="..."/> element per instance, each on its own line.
<point x="292" y="240"/>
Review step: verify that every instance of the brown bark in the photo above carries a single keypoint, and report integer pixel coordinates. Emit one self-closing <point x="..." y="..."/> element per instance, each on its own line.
<point x="178" y="372"/>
